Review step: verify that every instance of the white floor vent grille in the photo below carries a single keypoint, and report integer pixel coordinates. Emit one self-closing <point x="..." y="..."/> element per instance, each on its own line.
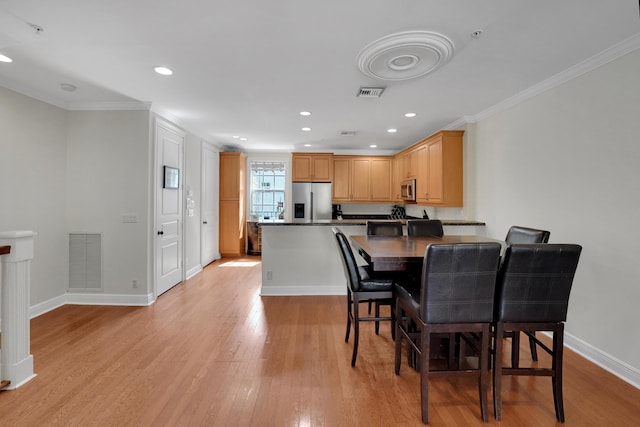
<point x="85" y="261"/>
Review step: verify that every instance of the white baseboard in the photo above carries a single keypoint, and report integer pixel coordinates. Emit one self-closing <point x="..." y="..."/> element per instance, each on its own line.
<point x="89" y="299"/>
<point x="46" y="306"/>
<point x="193" y="271"/>
<point x="109" y="299"/>
<point x="607" y="362"/>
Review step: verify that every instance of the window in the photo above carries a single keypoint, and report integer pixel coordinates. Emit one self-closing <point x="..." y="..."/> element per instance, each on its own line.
<point x="267" y="189"/>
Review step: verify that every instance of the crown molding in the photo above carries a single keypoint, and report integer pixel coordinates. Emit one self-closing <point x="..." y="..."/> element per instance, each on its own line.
<point x="590" y="64"/>
<point x="109" y="106"/>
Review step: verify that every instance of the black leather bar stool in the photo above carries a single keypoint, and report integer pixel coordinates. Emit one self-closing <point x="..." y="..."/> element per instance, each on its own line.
<point x="384" y="228"/>
<point x="532" y="294"/>
<point x="424" y="227"/>
<point x="456" y="296"/>
<point x="362" y="285"/>
<point x="518" y="234"/>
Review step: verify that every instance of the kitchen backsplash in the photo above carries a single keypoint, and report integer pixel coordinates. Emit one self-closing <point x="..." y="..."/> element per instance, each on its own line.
<point x="411" y="210"/>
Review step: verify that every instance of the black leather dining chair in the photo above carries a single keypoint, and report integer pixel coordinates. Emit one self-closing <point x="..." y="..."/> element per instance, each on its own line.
<point x="384" y="228"/>
<point x="532" y="294"/>
<point x="519" y="234"/>
<point x="362" y="285"/>
<point x="424" y="227"/>
<point x="456" y="296"/>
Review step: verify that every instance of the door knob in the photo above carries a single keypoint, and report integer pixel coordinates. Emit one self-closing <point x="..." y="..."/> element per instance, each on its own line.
<point x="204" y="222"/>
<point x="160" y="233"/>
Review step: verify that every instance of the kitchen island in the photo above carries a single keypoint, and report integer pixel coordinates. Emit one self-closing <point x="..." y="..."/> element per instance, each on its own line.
<point x="301" y="258"/>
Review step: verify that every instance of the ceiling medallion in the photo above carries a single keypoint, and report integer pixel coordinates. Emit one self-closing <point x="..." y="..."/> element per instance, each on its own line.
<point x="405" y="55"/>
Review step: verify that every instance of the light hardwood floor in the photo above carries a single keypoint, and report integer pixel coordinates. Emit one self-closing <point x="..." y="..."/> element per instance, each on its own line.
<point x="213" y="352"/>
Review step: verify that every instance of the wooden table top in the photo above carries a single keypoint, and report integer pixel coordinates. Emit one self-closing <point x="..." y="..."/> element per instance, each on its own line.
<point x="399" y="253"/>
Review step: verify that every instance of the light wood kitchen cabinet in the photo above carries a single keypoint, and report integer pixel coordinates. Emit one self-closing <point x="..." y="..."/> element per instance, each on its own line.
<point x="362" y="179"/>
<point x="397" y="178"/>
<point x="409" y="165"/>
<point x="341" y="186"/>
<point x="440" y="179"/>
<point x="233" y="168"/>
<point x="381" y="179"/>
<point x="312" y="167"/>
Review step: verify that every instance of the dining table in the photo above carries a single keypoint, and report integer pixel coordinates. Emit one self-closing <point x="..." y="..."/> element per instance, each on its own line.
<point x="403" y="253"/>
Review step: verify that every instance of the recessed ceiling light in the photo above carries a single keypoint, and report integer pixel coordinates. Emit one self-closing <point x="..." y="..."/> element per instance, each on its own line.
<point x="305" y="113"/>
<point x="163" y="70"/>
<point x="243" y="139"/>
<point x="373" y="146"/>
<point x="306" y="129"/>
<point x="392" y="130"/>
<point x="307" y="145"/>
<point x="236" y="136"/>
<point x="4" y="58"/>
<point x="410" y="115"/>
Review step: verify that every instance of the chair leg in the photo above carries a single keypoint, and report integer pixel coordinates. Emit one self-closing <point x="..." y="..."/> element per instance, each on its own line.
<point x="451" y="363"/>
<point x="533" y="348"/>
<point x="515" y="349"/>
<point x="356" y="328"/>
<point x="399" y="336"/>
<point x="393" y="320"/>
<point x="370" y="303"/>
<point x="349" y="304"/>
<point x="425" y="350"/>
<point x="377" y="328"/>
<point x="556" y="379"/>
<point x="483" y="380"/>
<point x="497" y="370"/>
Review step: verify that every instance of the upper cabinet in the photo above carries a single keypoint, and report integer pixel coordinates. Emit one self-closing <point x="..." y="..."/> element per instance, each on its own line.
<point x="409" y="165"/>
<point x="312" y="167"/>
<point x="232" y="175"/>
<point x="362" y="179"/>
<point x="440" y="178"/>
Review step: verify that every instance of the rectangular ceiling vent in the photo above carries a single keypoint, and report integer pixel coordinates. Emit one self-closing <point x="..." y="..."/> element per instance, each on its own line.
<point x="348" y="133"/>
<point x="370" y="92"/>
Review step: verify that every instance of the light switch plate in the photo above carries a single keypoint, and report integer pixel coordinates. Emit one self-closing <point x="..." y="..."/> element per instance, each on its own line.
<point x="129" y="218"/>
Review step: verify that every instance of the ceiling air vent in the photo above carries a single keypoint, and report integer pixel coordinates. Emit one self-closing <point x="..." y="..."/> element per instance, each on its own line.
<point x="370" y="92"/>
<point x="348" y="133"/>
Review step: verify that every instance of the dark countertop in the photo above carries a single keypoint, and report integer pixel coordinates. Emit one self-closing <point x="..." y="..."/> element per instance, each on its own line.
<point x="332" y="222"/>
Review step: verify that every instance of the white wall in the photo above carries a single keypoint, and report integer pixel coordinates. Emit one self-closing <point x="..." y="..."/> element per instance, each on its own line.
<point x="108" y="176"/>
<point x="567" y="161"/>
<point x="32" y="186"/>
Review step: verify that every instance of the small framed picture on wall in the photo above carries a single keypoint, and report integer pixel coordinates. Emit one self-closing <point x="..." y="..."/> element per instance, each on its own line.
<point x="171" y="178"/>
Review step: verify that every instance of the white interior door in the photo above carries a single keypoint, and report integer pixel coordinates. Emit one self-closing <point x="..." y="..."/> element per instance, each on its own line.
<point x="209" y="197"/>
<point x="169" y="213"/>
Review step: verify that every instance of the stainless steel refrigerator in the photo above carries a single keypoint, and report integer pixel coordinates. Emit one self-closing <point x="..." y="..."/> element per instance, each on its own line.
<point x="311" y="201"/>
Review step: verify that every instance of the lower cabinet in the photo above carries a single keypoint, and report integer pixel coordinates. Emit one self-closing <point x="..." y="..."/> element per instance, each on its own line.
<point x="232" y="228"/>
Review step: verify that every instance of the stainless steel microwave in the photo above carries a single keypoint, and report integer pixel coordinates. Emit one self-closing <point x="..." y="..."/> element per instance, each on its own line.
<point x="408" y="190"/>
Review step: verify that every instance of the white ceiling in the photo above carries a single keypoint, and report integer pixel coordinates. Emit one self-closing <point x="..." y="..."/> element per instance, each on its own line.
<point x="248" y="67"/>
